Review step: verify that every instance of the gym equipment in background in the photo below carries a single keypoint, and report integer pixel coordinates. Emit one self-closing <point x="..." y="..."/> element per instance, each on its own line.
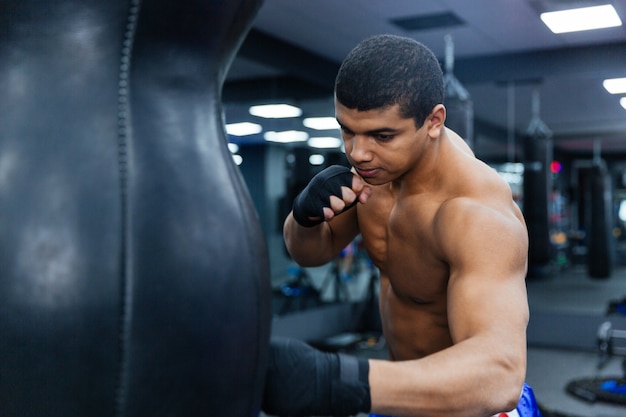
<point x="610" y="389"/>
<point x="459" y="105"/>
<point x="600" y="260"/>
<point x="537" y="186"/>
<point x="134" y="277"/>
<point x="594" y="217"/>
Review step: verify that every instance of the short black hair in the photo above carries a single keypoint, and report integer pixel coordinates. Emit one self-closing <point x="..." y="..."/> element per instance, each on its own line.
<point x="385" y="70"/>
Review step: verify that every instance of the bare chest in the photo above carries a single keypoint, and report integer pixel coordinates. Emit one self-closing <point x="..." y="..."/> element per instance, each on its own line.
<point x="401" y="244"/>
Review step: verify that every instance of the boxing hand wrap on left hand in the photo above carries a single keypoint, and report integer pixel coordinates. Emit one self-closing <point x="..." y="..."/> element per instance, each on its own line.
<point x="303" y="381"/>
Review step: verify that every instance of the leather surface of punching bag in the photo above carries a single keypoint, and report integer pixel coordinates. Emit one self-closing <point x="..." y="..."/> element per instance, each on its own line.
<point x="134" y="278"/>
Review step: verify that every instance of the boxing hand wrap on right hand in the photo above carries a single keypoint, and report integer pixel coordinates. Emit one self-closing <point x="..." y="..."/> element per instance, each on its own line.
<point x="316" y="195"/>
<point x="302" y="381"/>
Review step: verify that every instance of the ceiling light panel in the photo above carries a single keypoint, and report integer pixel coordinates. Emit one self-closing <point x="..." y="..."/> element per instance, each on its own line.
<point x="238" y="159"/>
<point x="243" y="129"/>
<point x="287" y="136"/>
<point x="615" y="85"/>
<point x="233" y="147"/>
<point x="316" y="159"/>
<point x="275" y="111"/>
<point x="585" y="18"/>
<point x="324" y="142"/>
<point x="321" y="123"/>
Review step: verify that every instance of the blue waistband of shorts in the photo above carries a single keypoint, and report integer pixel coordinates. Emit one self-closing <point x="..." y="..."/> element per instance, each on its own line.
<point x="527" y="406"/>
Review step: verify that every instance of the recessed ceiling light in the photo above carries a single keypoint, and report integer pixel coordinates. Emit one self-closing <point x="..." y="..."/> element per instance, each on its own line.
<point x="233" y="147"/>
<point x="615" y="85"/>
<point x="324" y="142"/>
<point x="316" y="159"/>
<point x="622" y="101"/>
<point x="287" y="136"/>
<point x="243" y="129"/>
<point x="275" y="111"/>
<point x="238" y="159"/>
<point x="321" y="123"/>
<point x="585" y="18"/>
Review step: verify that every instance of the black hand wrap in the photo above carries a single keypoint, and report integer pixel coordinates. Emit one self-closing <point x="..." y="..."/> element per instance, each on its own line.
<point x="311" y="201"/>
<point x="302" y="381"/>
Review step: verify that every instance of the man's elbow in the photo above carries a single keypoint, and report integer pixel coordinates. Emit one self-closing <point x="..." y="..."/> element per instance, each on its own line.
<point x="307" y="259"/>
<point x="512" y="396"/>
<point x="510" y="386"/>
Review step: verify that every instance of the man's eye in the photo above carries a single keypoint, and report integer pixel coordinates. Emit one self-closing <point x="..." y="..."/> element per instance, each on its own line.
<point x="384" y="138"/>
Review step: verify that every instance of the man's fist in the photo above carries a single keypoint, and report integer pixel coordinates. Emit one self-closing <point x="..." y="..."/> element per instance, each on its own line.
<point x="308" y="207"/>
<point x="303" y="381"/>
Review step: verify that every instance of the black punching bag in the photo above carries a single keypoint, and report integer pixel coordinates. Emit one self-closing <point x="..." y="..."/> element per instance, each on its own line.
<point x="537" y="186"/>
<point x="134" y="278"/>
<point x="600" y="260"/>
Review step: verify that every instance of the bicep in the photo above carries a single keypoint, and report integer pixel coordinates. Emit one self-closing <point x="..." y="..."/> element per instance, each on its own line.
<point x="486" y="289"/>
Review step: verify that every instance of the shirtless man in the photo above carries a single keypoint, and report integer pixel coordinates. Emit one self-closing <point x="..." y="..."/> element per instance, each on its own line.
<point x="448" y="239"/>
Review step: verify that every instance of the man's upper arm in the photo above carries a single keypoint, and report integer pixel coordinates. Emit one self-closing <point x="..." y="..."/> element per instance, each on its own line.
<point x="487" y="254"/>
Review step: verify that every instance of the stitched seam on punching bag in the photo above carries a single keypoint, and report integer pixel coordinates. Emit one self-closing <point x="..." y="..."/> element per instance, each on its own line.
<point x="126" y="284"/>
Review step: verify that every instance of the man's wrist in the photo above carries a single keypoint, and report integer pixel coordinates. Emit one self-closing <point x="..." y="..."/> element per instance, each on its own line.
<point x="351" y="392"/>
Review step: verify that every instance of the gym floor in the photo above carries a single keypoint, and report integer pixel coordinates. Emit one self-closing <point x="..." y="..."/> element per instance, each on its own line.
<point x="572" y="292"/>
<point x="569" y="291"/>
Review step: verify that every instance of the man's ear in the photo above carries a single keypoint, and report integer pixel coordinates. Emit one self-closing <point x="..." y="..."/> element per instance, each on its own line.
<point x="436" y="120"/>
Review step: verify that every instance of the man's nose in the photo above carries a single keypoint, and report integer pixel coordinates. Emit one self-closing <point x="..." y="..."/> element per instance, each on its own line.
<point x="360" y="148"/>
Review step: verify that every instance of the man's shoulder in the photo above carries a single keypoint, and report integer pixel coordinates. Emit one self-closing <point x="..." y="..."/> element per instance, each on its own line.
<point x="488" y="212"/>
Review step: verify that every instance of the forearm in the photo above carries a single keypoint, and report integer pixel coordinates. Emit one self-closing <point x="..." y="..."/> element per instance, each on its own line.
<point x="464" y="380"/>
<point x="329" y="197"/>
<point x="308" y="246"/>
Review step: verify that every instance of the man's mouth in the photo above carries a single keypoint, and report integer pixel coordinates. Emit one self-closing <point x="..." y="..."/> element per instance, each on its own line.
<point x="367" y="173"/>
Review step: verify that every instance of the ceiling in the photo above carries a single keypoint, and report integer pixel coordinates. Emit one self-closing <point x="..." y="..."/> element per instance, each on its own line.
<point x="502" y="53"/>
